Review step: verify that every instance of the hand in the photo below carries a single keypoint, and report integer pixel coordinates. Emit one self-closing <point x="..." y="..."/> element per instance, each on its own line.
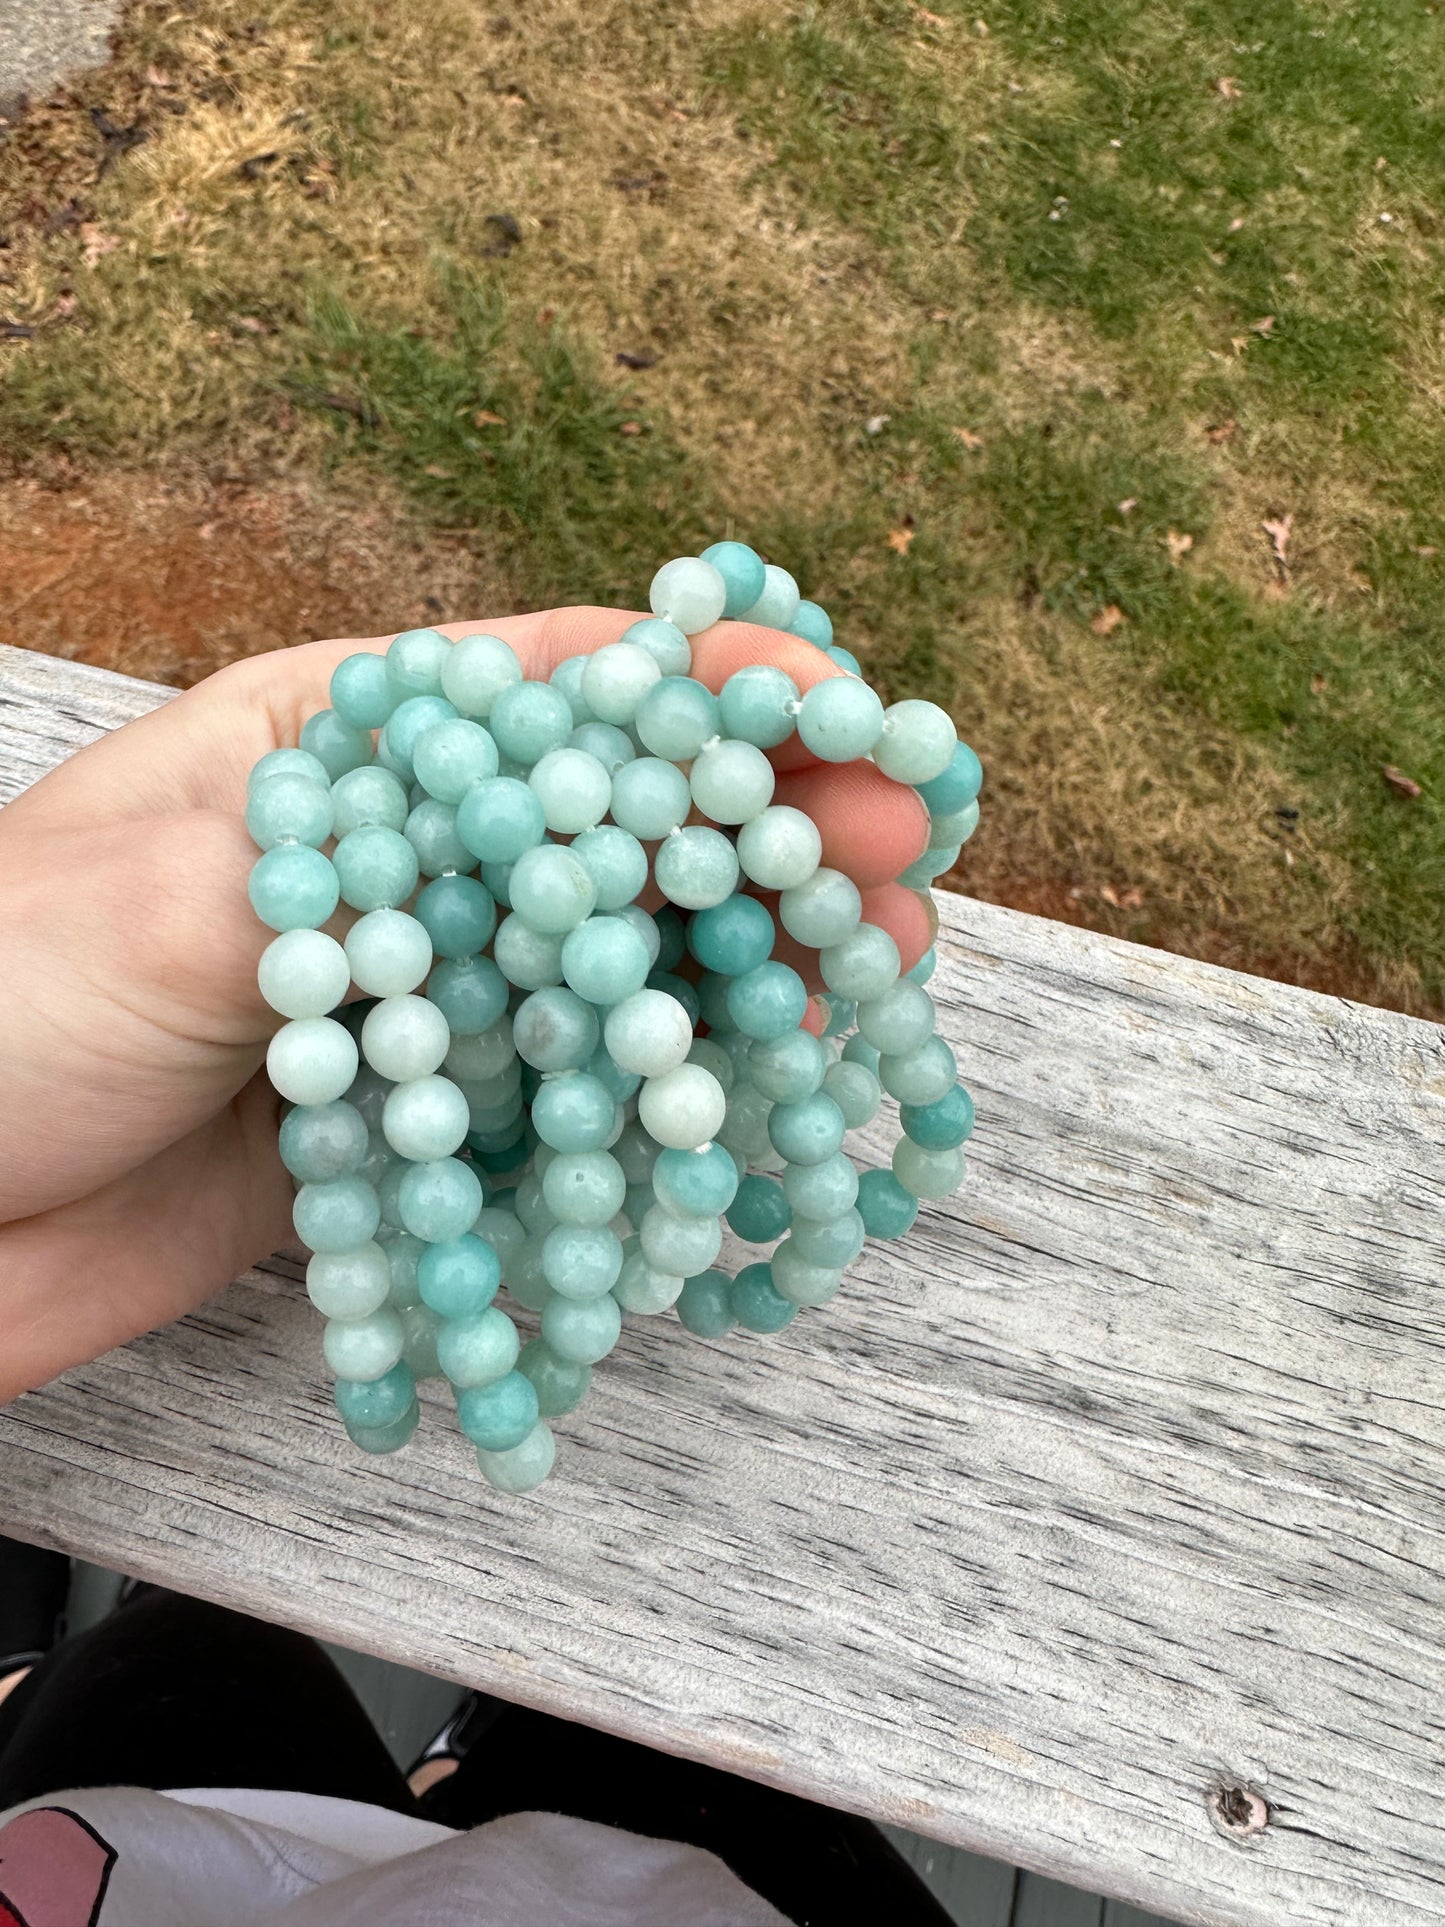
<point x="138" y="1162"/>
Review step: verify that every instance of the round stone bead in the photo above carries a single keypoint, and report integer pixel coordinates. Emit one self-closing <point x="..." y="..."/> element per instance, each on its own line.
<point x="787" y="1067"/>
<point x="957" y="786"/>
<point x="637" y="1154"/>
<point x="573" y="1113"/>
<point x="767" y="1001"/>
<point x="439" y="1200"/>
<point x="410" y="721"/>
<point x="470" y="992"/>
<point x="743" y="574"/>
<point x="323" y="1141"/>
<point x="364" y="1348"/>
<point x="780" y="848"/>
<point x="293" y="888"/>
<point x="927" y="1174"/>
<point x="312" y="1060"/>
<point x="899" y="1021"/>
<point x="337" y="748"/>
<point x="922" y="1076"/>
<point x="641" y="1288"/>
<point x="679" y="988"/>
<point x="952" y="832"/>
<point x="683" y="1108"/>
<point x="387" y="953"/>
<point x="676" y="717"/>
<point x="745" y="1127"/>
<point x="616" y="680"/>
<point x="551" y="890"/>
<point x="337" y="1216"/>
<point x="415" y="660"/>
<point x="858" y="1050"/>
<point x="303" y="973"/>
<point x="759" y="705"/>
<point x="288" y="809"/>
<point x="887" y="1210"/>
<point x="732" y="782"/>
<point x="916" y="742"/>
<point x="567" y="677"/>
<point x="376" y="869"/>
<point x="573" y="788"/>
<point x="457" y="915"/>
<point x="529" y="718"/>
<point x="524" y="1275"/>
<point x="933" y="863"/>
<point x="498" y="1417"/>
<point x="924" y="968"/>
<point x="649" y="1033"/>
<point x="582" y="1330"/>
<point x="711" y="1055"/>
<point x="525" y="1467"/>
<point x="610" y="745"/>
<point x="942" y="1125"/>
<point x="646" y="928"/>
<point x="821" y="1191"/>
<point x="808" y="1131"/>
<point x="449" y="758"/>
<point x="863" y="965"/>
<point x="732" y="937"/>
<point x="798" y="1280"/>
<point x="377" y="1440"/>
<point x="404" y="1037"/>
<point x="555" y="1030"/>
<point x="679" y="1246"/>
<point x="584" y="1188"/>
<point x="603" y="960"/>
<point x="458" y="1279"/>
<point x="844" y="659"/>
<point x="615" y="861"/>
<point x="349" y="1284"/>
<point x="560" y="1384"/>
<point x="500" y="820"/>
<point x="688" y="592"/>
<point x="431" y="830"/>
<point x="662" y="640"/>
<point x="491" y="1054"/>
<point x="840" y="720"/>
<point x="829" y="1243"/>
<point x="696" y="868"/>
<point x="362" y="693"/>
<point x="287" y="762"/>
<point x="425" y="1118"/>
<point x="760" y="1212"/>
<point x="855" y="1090"/>
<point x="374" y="1403"/>
<point x="695" y="1184"/>
<point x="476" y="671"/>
<point x="756" y="1302"/>
<point x="704" y="1304"/>
<point x="813" y="624"/>
<point x="777" y="602"/>
<point x="650" y="797"/>
<point x="823" y="910"/>
<point x="478" y="1350"/>
<point x="370" y="796"/>
<point x="368" y="1092"/>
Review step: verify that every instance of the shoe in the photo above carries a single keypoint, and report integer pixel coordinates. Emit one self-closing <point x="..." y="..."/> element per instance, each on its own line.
<point x="466" y="1726"/>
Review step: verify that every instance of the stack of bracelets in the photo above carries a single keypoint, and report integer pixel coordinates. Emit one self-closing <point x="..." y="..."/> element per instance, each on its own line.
<point x="543" y="1085"/>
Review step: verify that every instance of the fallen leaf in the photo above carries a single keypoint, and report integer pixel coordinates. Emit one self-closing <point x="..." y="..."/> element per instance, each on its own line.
<point x="1278" y="528"/>
<point x="251" y="325"/>
<point x="484" y="418"/>
<point x="931" y="19"/>
<point x="629" y="428"/>
<point x="1221" y="431"/>
<point x="1107" y="620"/>
<point x="899" y="540"/>
<point x="95" y="244"/>
<point x="1318" y="684"/>
<point x="1236" y="224"/>
<point x="1228" y="88"/>
<point x="1178" y="546"/>
<point x="1239" y="343"/>
<point x="1264" y="326"/>
<point x="968" y="438"/>
<point x="626" y="358"/>
<point x="504" y="232"/>
<point x="1427" y="549"/>
<point x="442" y="474"/>
<point x="876" y="424"/>
<point x="940" y="314"/>
<point x="1132" y="899"/>
<point x="1398" y="780"/>
<point x="1129" y="504"/>
<point x="155" y="78"/>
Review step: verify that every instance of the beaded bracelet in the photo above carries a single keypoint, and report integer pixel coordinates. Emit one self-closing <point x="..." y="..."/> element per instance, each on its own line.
<point x="543" y="1085"/>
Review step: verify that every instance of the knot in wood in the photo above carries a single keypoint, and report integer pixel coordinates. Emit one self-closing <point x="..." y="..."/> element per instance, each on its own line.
<point x="1238" y="1812"/>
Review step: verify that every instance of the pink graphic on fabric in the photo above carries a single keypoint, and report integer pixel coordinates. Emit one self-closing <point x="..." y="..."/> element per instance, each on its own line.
<point x="53" y="1870"/>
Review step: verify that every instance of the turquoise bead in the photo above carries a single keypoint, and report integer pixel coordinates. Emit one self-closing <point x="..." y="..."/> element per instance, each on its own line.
<point x="688" y="592"/>
<point x="470" y="992"/>
<point x="582" y="1330"/>
<point x="616" y="680"/>
<point x="449" y="758"/>
<point x="362" y="694"/>
<point x="458" y="915"/>
<point x="777" y="602"/>
<point x="957" y="786"/>
<point x="425" y="1118"/>
<point x="779" y="849"/>
<point x="498" y="1417"/>
<point x="616" y="862"/>
<point x="756" y="1302"/>
<point x="293" y="888"/>
<point x="337" y="748"/>
<point x="680" y="990"/>
<point x="829" y="1243"/>
<point x="611" y="746"/>
<point x="732" y="937"/>
<point x="288" y="762"/>
<point x="759" y="705"/>
<point x="641" y="1288"/>
<point x="887" y="1210"/>
<point x="768" y="1000"/>
<point x="573" y="788"/>
<point x="760" y="1212"/>
<point x="303" y="973"/>
<point x="916" y="743"/>
<point x="696" y="868"/>
<point x="364" y="1348"/>
<point x="942" y="1125"/>
<point x="840" y="719"/>
<point x="567" y="677"/>
<point x="555" y="1029"/>
<point x="825" y="1190"/>
<point x="899" y="1021"/>
<point x="863" y="965"/>
<point x="478" y="1350"/>
<point x="924" y="968"/>
<point x="855" y="1090"/>
<point x="377" y="1440"/>
<point x="662" y="640"/>
<point x="813" y="624"/>
<point x="927" y="1174"/>
<point x="705" y="1304"/>
<point x="349" y="1284"/>
<point x="671" y="939"/>
<point x="745" y="1127"/>
<point x="732" y="782"/>
<point x="843" y="659"/>
<point x="808" y="1131"/>
<point x="573" y="1113"/>
<point x="858" y="1050"/>
<point x="409" y="722"/>
<point x="415" y="660"/>
<point x="952" y="832"/>
<point x="676" y="717"/>
<point x="525" y="1466"/>
<point x="695" y="1184"/>
<point x="500" y="820"/>
<point x="529" y="718"/>
<point x="319" y="1142"/>
<point x="376" y="869"/>
<point x="788" y="1067"/>
<point x="560" y="1384"/>
<point x="476" y="671"/>
<point x="288" y="809"/>
<point x="742" y="572"/>
<point x="603" y="960"/>
<point x="459" y="1279"/>
<point x="921" y="1076"/>
<point x="933" y="863"/>
<point x="524" y="1275"/>
<point x="526" y="957"/>
<point x="798" y="1280"/>
<point x="841" y="1013"/>
<point x="620" y="1084"/>
<point x="439" y="1200"/>
<point x="650" y="797"/>
<point x="373" y="1403"/>
<point x="584" y="1188"/>
<point x="431" y="830"/>
<point x="369" y="796"/>
<point x="712" y="997"/>
<point x="312" y="1060"/>
<point x="679" y="1246"/>
<point x="551" y="890"/>
<point x="421" y="1326"/>
<point x="822" y="911"/>
<point x="336" y="1216"/>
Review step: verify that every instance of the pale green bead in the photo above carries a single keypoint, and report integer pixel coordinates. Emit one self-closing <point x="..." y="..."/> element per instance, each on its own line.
<point x="676" y="717"/>
<point x="696" y="868"/>
<point x="863" y="965"/>
<point x="431" y="830"/>
<point x="808" y="1130"/>
<point x="745" y="1124"/>
<point x="524" y="1275"/>
<point x="927" y="1174"/>
<point x="476" y="671"/>
<point x="377" y="869"/>
<point x="524" y="1466"/>
<point x="759" y="705"/>
<point x="712" y="1057"/>
<point x="604" y="960"/>
<point x="303" y="973"/>
<point x="410" y="721"/>
<point x="415" y="660"/>
<point x="581" y="1261"/>
<point x="337" y="748"/>
<point x="830" y="1243"/>
<point x="361" y="1349"/>
<point x="582" y="1330"/>
<point x="387" y="953"/>
<point x="822" y="1191"/>
<point x="555" y="1030"/>
<point x="584" y="1187"/>
<point x="322" y="1141"/>
<point x="500" y="819"/>
<point x="529" y="1201"/>
<point x="450" y="758"/>
<point x="574" y="1112"/>
<point x="779" y="849"/>
<point x="487" y="1055"/>
<point x="650" y="797"/>
<point x="916" y="743"/>
<point x="616" y="862"/>
<point x="362" y="694"/>
<point x="649" y="1033"/>
<point x="742" y="571"/>
<point x="470" y="992"/>
<point x="425" y="1118"/>
<point x="787" y="1067"/>
<point x="679" y="1246"/>
<point x="405" y="1037"/>
<point x="662" y="640"/>
<point x="683" y="1108"/>
<point x="922" y="1076"/>
<point x="336" y="1216"/>
<point x="567" y="677"/>
<point x="422" y="1328"/>
<point x="403" y="1252"/>
<point x="644" y="1290"/>
<point x="856" y="1092"/>
<point x="637" y="1153"/>
<point x="799" y="1281"/>
<point x="573" y="788"/>
<point x="551" y="890"/>
<point x="312" y="1060"/>
<point x="840" y="720"/>
<point x="768" y="1001"/>
<point x="899" y="1021"/>
<point x="349" y="1284"/>
<point x="500" y="1227"/>
<point x="369" y="796"/>
<point x="528" y="958"/>
<point x="777" y="602"/>
<point x="478" y="1350"/>
<point x="822" y="911"/>
<point x="528" y="719"/>
<point x="560" y="1386"/>
<point x="952" y="832"/>
<point x="288" y="809"/>
<point x="646" y="928"/>
<point x="933" y="863"/>
<point x="616" y="679"/>
<point x="688" y="592"/>
<point x="288" y="762"/>
<point x="732" y="782"/>
<point x="440" y="1200"/>
<point x="293" y="888"/>
<point x="813" y="624"/>
<point x="611" y="746"/>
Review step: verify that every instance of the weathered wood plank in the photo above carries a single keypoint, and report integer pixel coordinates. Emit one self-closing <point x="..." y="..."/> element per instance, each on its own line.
<point x="1120" y="1481"/>
<point x="49" y="708"/>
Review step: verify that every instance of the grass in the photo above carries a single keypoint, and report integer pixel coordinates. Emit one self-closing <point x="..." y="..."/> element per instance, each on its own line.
<point x="1007" y="333"/>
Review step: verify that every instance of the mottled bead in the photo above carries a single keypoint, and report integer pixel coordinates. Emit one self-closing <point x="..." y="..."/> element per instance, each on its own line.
<point x="525" y="1466"/>
<point x="662" y="640"/>
<point x="560" y="1384"/>
<point x="425" y="1118"/>
<point x="646" y="928"/>
<point x="573" y="1113"/>
<point x="688" y="592"/>
<point x="459" y="1279"/>
<point x="855" y="1090"/>
<point x="756" y="1302"/>
<point x="863" y="965"/>
<point x="957" y="785"/>
<point x="616" y="680"/>
<point x="695" y="1183"/>
<point x="641" y="1288"/>
<point x="680" y="990"/>
<point x="787" y="1067"/>
<point x="369" y="796"/>
<point x="916" y="742"/>
<point x="335" y="746"/>
<point x="610" y="745"/>
<point x="349" y="1284"/>
<point x="451" y="757"/>
<point x="823" y="1191"/>
<point x="924" y="968"/>
<point x="684" y="1107"/>
<point x="676" y="717"/>
<point x="696" y="868"/>
<point x="421" y="1326"/>
<point x="582" y="1330"/>
<point x="921" y="1076"/>
<point x="470" y="992"/>
<point x="759" y="705"/>
<point x="528" y="958"/>
<point x="375" y="868"/>
<point x="336" y="1216"/>
<point x="403" y="1253"/>
<point x="679" y="1246"/>
<point x="288" y="809"/>
<point x="742" y="572"/>
<point x="704" y="1304"/>
<point x="899" y="1021"/>
<point x="409" y="722"/>
<point x="733" y="937"/>
<point x="387" y="953"/>
<point x="322" y="1141"/>
<point x="415" y="660"/>
<point x="829" y="1243"/>
<point x="887" y="1210"/>
<point x="303" y="973"/>
<point x="777" y="601"/>
<point x="573" y="788"/>
<point x="476" y="671"/>
<point x="293" y="888"/>
<point x="431" y="830"/>
<point x="362" y="693"/>
<point x="603" y="960"/>
<point x="584" y="1188"/>
<point x="768" y="1000"/>
<point x="478" y="1350"/>
<point x="813" y="624"/>
<point x="649" y="1033"/>
<point x="807" y="1131"/>
<point x="529" y="718"/>
<point x="650" y="797"/>
<point x="799" y="1281"/>
<point x="840" y="719"/>
<point x="499" y="1416"/>
<point x="555" y="1030"/>
<point x="312" y="1060"/>
<point x="760" y="1212"/>
<point x="927" y="1174"/>
<point x="745" y="1126"/>
<point x="373" y="1403"/>
<point x="779" y="849"/>
<point x="616" y="862"/>
<point x="821" y="911"/>
<point x="288" y="762"/>
<point x="567" y="677"/>
<point x="457" y="914"/>
<point x="732" y="782"/>
<point x="404" y="1037"/>
<point x="551" y="889"/>
<point x="378" y="1440"/>
<point x="364" y="1348"/>
<point x="942" y="1125"/>
<point x="440" y="1200"/>
<point x="843" y="659"/>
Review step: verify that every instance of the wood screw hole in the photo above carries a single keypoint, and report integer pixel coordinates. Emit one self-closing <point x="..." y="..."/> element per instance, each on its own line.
<point x="1238" y="1811"/>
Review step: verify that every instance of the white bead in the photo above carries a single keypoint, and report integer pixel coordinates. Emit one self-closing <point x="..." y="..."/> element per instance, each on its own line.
<point x="389" y="952"/>
<point x="732" y="782"/>
<point x="684" y="1108"/>
<point x="780" y="849"/>
<point x="405" y="1037"/>
<point x="689" y="593"/>
<point x="313" y="1060"/>
<point x="303" y="973"/>
<point x="648" y="1033"/>
<point x="616" y="679"/>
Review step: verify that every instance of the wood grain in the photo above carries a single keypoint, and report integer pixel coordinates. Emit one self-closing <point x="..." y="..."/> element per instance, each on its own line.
<point x="1118" y="1482"/>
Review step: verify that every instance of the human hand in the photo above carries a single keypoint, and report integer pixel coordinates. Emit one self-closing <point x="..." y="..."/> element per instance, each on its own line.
<point x="138" y="1163"/>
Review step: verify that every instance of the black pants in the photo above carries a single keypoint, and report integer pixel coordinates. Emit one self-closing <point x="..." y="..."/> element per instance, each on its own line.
<point x="170" y="1692"/>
